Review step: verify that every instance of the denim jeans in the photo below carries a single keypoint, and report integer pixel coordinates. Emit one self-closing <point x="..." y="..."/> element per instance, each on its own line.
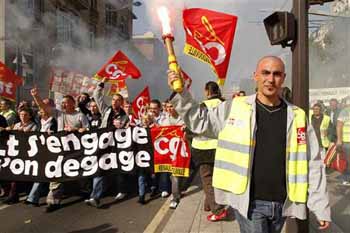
<point x="263" y="217"/>
<point x="97" y="187"/>
<point x="35" y="192"/>
<point x="142" y="185"/>
<point x="164" y="182"/>
<point x="146" y="181"/>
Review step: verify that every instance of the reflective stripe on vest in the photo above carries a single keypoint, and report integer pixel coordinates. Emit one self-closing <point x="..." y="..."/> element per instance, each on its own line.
<point x="235" y="145"/>
<point x="203" y="143"/>
<point x="324" y="131"/>
<point x="8" y="113"/>
<point x="346" y="127"/>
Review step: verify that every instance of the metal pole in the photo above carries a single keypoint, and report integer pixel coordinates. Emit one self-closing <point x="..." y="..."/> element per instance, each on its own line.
<point x="300" y="51"/>
<point x="18" y="70"/>
<point x="300" y="70"/>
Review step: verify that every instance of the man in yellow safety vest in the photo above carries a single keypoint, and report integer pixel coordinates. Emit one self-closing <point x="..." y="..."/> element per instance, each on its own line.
<point x="343" y="140"/>
<point x="267" y="162"/>
<point x="203" y="155"/>
<point x="321" y="124"/>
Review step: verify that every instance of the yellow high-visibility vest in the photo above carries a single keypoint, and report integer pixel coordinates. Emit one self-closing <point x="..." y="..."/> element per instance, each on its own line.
<point x="346" y="127"/>
<point x="324" y="130"/>
<point x="204" y="143"/>
<point x="8" y="113"/>
<point x="235" y="146"/>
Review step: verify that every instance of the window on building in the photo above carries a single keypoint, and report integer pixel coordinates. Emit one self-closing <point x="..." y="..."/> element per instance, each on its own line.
<point x="29" y="4"/>
<point x="65" y="27"/>
<point x="92" y="36"/>
<point x="33" y="7"/>
<point x="123" y="27"/>
<point x="111" y="15"/>
<point x="93" y="4"/>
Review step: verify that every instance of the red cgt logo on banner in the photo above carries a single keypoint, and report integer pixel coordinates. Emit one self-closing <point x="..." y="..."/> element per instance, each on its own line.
<point x="9" y="82"/>
<point x="118" y="67"/>
<point x="171" y="151"/>
<point x="209" y="38"/>
<point x="140" y="103"/>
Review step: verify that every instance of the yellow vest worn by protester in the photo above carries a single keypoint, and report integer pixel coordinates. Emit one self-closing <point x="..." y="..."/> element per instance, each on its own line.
<point x="203" y="143"/>
<point x="346" y="127"/>
<point x="8" y="113"/>
<point x="236" y="145"/>
<point x="324" y="130"/>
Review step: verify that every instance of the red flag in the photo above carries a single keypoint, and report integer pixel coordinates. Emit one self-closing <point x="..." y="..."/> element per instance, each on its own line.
<point x="187" y="80"/>
<point x="209" y="38"/>
<point x="8" y="82"/>
<point x="119" y="88"/>
<point x="140" y="103"/>
<point x="118" y="67"/>
<point x="171" y="150"/>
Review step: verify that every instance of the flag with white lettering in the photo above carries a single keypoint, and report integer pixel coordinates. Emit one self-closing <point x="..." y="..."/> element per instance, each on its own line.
<point x="118" y="67"/>
<point x="209" y="38"/>
<point x="171" y="150"/>
<point x="9" y="82"/>
<point x="140" y="103"/>
<point x="43" y="157"/>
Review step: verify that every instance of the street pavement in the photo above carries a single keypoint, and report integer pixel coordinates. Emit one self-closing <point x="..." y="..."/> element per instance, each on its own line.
<point x="191" y="217"/>
<point x="76" y="217"/>
<point x="155" y="216"/>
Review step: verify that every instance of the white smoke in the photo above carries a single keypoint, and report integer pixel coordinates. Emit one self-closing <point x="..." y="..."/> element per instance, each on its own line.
<point x="330" y="49"/>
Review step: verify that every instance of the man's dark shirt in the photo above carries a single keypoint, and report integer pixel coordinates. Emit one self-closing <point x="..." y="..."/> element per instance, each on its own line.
<point x="269" y="165"/>
<point x="3" y="122"/>
<point x="116" y="115"/>
<point x="94" y="120"/>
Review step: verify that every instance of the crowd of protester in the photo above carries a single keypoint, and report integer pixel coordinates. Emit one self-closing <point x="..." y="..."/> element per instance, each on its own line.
<point x="83" y="113"/>
<point x="87" y="112"/>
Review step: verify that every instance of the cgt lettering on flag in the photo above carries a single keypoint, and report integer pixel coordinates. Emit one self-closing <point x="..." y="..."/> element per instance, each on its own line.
<point x="209" y="38"/>
<point x="117" y="68"/>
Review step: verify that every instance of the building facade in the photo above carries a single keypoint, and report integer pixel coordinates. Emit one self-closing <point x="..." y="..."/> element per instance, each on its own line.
<point x="33" y="33"/>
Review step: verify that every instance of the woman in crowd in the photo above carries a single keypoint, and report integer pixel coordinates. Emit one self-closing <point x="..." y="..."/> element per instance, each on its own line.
<point x="48" y="124"/>
<point x="26" y="124"/>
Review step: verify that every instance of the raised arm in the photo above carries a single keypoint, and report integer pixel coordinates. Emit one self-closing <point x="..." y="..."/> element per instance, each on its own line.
<point x="98" y="96"/>
<point x="35" y="93"/>
<point x="198" y="118"/>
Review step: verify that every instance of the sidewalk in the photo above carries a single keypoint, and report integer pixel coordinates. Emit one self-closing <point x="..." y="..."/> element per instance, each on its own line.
<point x="191" y="217"/>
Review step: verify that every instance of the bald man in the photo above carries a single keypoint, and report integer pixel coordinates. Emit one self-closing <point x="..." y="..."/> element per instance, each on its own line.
<point x="267" y="162"/>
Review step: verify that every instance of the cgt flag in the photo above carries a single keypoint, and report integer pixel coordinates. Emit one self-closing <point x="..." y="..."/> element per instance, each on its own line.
<point x="209" y="38"/>
<point x="119" y="87"/>
<point x="118" y="67"/>
<point x="140" y="103"/>
<point x="8" y="82"/>
<point x="171" y="150"/>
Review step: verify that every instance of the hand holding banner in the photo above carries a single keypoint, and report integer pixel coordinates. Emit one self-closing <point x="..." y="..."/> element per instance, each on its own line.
<point x="209" y="38"/>
<point x="117" y="68"/>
